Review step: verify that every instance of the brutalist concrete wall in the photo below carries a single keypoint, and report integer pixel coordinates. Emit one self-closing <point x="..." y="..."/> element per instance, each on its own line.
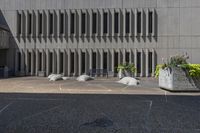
<point x="178" y="27"/>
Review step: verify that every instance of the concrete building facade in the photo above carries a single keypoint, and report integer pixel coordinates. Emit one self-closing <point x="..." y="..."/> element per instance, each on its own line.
<point x="75" y="36"/>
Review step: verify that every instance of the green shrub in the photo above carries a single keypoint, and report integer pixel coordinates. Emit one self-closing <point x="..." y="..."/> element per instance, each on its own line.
<point x="127" y="67"/>
<point x="193" y="69"/>
<point x="158" y="67"/>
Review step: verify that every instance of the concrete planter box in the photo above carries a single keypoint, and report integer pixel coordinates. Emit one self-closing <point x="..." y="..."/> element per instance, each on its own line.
<point x="176" y="79"/>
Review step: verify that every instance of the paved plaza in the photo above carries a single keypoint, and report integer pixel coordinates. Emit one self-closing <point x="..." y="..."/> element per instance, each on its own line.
<point x="97" y="86"/>
<point x="35" y="105"/>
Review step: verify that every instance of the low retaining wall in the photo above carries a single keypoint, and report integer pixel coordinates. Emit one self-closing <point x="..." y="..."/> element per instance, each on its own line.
<point x="176" y="79"/>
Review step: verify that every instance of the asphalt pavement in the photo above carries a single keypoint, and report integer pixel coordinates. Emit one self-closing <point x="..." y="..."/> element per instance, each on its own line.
<point x="98" y="113"/>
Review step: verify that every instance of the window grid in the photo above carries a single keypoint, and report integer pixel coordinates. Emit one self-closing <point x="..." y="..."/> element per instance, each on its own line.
<point x="105" y="28"/>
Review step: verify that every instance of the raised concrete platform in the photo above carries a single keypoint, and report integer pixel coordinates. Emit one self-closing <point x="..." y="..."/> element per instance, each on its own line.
<point x="97" y="86"/>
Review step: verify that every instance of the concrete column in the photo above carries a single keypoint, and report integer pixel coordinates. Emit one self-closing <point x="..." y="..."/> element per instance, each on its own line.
<point x="65" y="63"/>
<point x="142" y="23"/>
<point x="26" y="62"/>
<point x="37" y="22"/>
<point x="75" y="63"/>
<point x="131" y="56"/>
<point x="112" y="22"/>
<point x="147" y="22"/>
<point x="124" y="55"/>
<point x="124" y="21"/>
<point x="58" y="61"/>
<point x="90" y="22"/>
<point x="97" y="59"/>
<point x="67" y="22"/>
<point x="90" y="53"/>
<point x="57" y="26"/>
<point x="26" y="23"/>
<point x="101" y="22"/>
<point x="119" y="57"/>
<point x="32" y="62"/>
<point x="37" y="62"/>
<point x="54" y="62"/>
<point x="135" y="21"/>
<point x="69" y="62"/>
<point x="47" y="63"/>
<point x="154" y="23"/>
<point x="47" y="23"/>
<point x="142" y="63"/>
<point x="43" y="60"/>
<point x="135" y="60"/>
<point x="147" y="63"/>
<point x="79" y="20"/>
<point x="101" y="58"/>
<point x="79" y="62"/>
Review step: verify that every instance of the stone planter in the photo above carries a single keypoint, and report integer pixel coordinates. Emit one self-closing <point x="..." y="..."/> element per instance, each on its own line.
<point x="176" y="79"/>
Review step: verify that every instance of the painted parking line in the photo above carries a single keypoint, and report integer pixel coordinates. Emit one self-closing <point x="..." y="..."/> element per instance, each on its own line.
<point x="5" y="107"/>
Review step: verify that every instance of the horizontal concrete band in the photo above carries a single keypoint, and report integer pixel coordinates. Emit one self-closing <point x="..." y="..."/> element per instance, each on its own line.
<point x="74" y="62"/>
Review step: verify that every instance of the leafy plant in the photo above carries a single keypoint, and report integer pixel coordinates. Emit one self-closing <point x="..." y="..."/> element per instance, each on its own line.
<point x="129" y="67"/>
<point x="192" y="69"/>
<point x="158" y="67"/>
<point x="177" y="60"/>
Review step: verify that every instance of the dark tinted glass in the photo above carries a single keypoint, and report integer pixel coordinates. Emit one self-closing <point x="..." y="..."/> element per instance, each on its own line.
<point x="116" y="22"/>
<point x="105" y="22"/>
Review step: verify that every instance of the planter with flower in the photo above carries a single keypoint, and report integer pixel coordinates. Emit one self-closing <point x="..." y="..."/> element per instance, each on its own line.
<point x="178" y="75"/>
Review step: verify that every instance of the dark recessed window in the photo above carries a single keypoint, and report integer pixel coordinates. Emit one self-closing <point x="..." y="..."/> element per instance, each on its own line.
<point x="19" y="23"/>
<point x="94" y="23"/>
<point x="139" y="17"/>
<point x="61" y="62"/>
<point x="72" y="23"/>
<point x="19" y="61"/>
<point x="40" y="23"/>
<point x="30" y="23"/>
<point x="51" y="23"/>
<point x="83" y="23"/>
<point x="116" y="22"/>
<point x="72" y="62"/>
<point x="138" y="62"/>
<point x="29" y="62"/>
<point x="40" y="61"/>
<point x="105" y="63"/>
<point x="127" y="57"/>
<point x="94" y="57"/>
<point x="150" y="62"/>
<point x="83" y="62"/>
<point x="127" y="22"/>
<point x="150" y="22"/>
<point x="61" y="23"/>
<point x="105" y="22"/>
